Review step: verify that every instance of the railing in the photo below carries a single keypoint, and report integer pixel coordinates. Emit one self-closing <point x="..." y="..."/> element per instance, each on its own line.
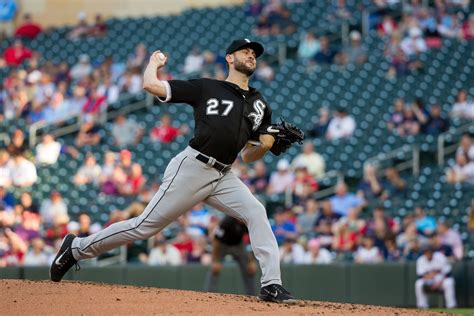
<point x="444" y="150"/>
<point x="413" y="163"/>
<point x="104" y="116"/>
<point x="120" y="258"/>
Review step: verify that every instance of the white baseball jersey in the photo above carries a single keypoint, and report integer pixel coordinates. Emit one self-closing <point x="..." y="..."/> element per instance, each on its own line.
<point x="439" y="263"/>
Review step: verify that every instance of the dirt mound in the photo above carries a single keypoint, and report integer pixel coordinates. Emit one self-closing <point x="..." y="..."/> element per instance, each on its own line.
<point x="23" y="297"/>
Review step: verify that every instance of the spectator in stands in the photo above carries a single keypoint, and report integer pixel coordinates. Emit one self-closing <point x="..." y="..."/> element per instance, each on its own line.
<point x="38" y="254"/>
<point x="281" y="180"/>
<point x="308" y="47"/>
<point x="6" y="165"/>
<point x="131" y="82"/>
<point x="23" y="171"/>
<point x="282" y="227"/>
<point x="316" y="254"/>
<point x="378" y="215"/>
<point x="164" y="253"/>
<point x="134" y="182"/>
<point x="264" y="71"/>
<point x="343" y="202"/>
<point x="86" y="227"/>
<point x="437" y="245"/>
<point x="48" y="151"/>
<point x="468" y="28"/>
<point x="88" y="134"/>
<point x="194" y="62"/>
<point x="36" y="113"/>
<point x="26" y="204"/>
<point x="434" y="274"/>
<point x="397" y="116"/>
<point x="326" y="54"/>
<point x="126" y="131"/>
<point x="260" y="179"/>
<point x="466" y="147"/>
<point x="339" y="10"/>
<point x="89" y="173"/>
<point x="280" y="21"/>
<point x="450" y="26"/>
<point x="387" y="27"/>
<point x="109" y="90"/>
<point x="77" y="101"/>
<point x="56" y="111"/>
<point x="326" y="217"/>
<point x="82" y="69"/>
<point x="291" y="252"/>
<point x="342" y="125"/>
<point x="436" y="123"/>
<point x="108" y="166"/>
<point x="17" y="53"/>
<point x="462" y="171"/>
<point x="356" y="53"/>
<point x="254" y="8"/>
<point x="410" y="125"/>
<point x="370" y="187"/>
<point x="392" y="253"/>
<point x="263" y="26"/>
<point x="126" y="161"/>
<point x="8" y="9"/>
<point x="111" y="184"/>
<point x="425" y="224"/>
<point x="94" y="105"/>
<point x="421" y="113"/>
<point x="451" y="238"/>
<point x="310" y="159"/>
<point x="28" y="28"/>
<point x="81" y="29"/>
<point x="99" y="28"/>
<point x="54" y="209"/>
<point x="165" y="132"/>
<point x="345" y="240"/>
<point x="7" y="200"/>
<point x="464" y="107"/>
<point x="304" y="185"/>
<point x="320" y="128"/>
<point x="368" y="252"/>
<point x="307" y="217"/>
<point x="413" y="250"/>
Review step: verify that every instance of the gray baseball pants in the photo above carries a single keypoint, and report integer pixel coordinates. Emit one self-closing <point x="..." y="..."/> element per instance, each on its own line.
<point x="186" y="182"/>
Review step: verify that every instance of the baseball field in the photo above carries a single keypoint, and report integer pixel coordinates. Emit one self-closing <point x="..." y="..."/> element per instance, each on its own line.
<point x="23" y="297"/>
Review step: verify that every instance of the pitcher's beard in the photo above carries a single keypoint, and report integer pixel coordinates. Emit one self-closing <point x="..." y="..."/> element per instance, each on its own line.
<point x="243" y="68"/>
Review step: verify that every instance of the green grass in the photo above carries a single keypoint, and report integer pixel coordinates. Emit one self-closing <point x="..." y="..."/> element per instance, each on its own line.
<point x="458" y="311"/>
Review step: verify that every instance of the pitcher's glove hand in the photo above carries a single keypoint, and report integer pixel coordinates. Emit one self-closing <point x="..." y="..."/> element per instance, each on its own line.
<point x="285" y="135"/>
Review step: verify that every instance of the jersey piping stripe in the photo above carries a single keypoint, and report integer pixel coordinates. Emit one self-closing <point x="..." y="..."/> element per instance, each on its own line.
<point x="151" y="211"/>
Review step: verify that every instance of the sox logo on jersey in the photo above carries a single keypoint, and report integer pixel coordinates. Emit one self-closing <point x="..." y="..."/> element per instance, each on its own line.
<point x="257" y="116"/>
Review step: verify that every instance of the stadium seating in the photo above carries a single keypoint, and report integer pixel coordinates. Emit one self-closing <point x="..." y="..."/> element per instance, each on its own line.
<point x="295" y="94"/>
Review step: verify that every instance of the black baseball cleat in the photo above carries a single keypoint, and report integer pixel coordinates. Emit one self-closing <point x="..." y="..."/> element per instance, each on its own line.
<point x="276" y="293"/>
<point x="64" y="259"/>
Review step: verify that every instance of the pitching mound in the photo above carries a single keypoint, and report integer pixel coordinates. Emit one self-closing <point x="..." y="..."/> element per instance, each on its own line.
<point x="22" y="297"/>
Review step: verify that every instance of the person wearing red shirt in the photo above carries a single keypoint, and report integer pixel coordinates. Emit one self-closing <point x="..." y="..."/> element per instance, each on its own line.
<point x="468" y="28"/>
<point x="166" y="133"/>
<point x="28" y="29"/>
<point x="16" y="54"/>
<point x="135" y="181"/>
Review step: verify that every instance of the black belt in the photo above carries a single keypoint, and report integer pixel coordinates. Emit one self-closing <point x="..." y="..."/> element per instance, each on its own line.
<point x="216" y="164"/>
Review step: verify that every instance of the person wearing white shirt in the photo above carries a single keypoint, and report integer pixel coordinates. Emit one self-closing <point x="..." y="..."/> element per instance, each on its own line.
<point x="48" y="151"/>
<point x="193" y="62"/>
<point x="466" y="147"/>
<point x="310" y="159"/>
<point x="451" y="238"/>
<point x="462" y="171"/>
<point x="463" y="108"/>
<point x="434" y="273"/>
<point x="341" y="126"/>
<point x="291" y="252"/>
<point x="414" y="43"/>
<point x="37" y="255"/>
<point x="54" y="210"/>
<point x="164" y="254"/>
<point x="316" y="254"/>
<point x="282" y="179"/>
<point x="6" y="165"/>
<point x="23" y="172"/>
<point x="126" y="131"/>
<point x="368" y="253"/>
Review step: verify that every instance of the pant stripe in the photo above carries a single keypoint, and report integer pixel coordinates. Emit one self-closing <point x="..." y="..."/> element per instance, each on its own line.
<point x="151" y="211"/>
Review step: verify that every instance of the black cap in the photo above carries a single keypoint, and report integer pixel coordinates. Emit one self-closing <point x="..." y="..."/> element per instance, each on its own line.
<point x="243" y="43"/>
